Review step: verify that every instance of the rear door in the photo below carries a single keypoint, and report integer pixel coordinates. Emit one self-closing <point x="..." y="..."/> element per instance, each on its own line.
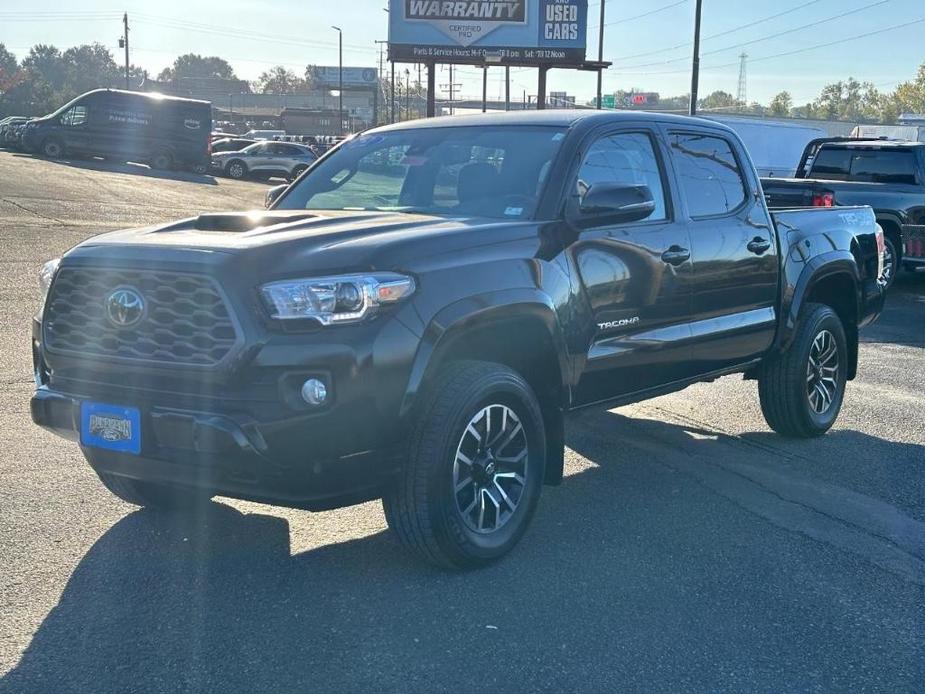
<point x="733" y="249"/>
<point x="636" y="276"/>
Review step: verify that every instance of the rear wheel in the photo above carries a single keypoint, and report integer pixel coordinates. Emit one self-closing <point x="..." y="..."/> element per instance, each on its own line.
<point x="162" y="161"/>
<point x="153" y="495"/>
<point x="236" y="169"/>
<point x="53" y="148"/>
<point x="801" y="391"/>
<point x="475" y="468"/>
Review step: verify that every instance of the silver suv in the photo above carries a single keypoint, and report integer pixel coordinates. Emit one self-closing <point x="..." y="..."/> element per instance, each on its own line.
<point x="264" y="159"/>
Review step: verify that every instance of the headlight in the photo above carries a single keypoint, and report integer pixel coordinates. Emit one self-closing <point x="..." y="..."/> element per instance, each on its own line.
<point x="339" y="299"/>
<point x="46" y="275"/>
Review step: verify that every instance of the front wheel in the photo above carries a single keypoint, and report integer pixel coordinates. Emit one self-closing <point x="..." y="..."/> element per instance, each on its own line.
<point x="153" y="495"/>
<point x="475" y="468"/>
<point x="890" y="264"/>
<point x="53" y="148"/>
<point x="801" y="390"/>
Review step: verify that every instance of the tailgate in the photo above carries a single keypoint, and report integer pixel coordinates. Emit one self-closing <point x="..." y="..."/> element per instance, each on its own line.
<point x="914" y="241"/>
<point x="789" y="192"/>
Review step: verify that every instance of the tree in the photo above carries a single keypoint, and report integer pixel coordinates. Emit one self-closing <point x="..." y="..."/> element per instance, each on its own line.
<point x="89" y="67"/>
<point x="781" y="104"/>
<point x="9" y="66"/>
<point x="313" y="78"/>
<point x="46" y="63"/>
<point x="910" y="96"/>
<point x="197" y="66"/>
<point x="279" y="80"/>
<point x="718" y="100"/>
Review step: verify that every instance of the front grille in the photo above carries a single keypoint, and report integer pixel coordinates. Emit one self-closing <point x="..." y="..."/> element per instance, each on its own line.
<point x="184" y="319"/>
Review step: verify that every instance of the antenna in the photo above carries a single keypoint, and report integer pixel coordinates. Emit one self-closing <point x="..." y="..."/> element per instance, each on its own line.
<point x="742" y="94"/>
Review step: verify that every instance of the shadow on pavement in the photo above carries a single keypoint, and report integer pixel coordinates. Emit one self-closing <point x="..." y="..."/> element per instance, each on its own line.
<point x="632" y="577"/>
<point x="903" y="317"/>
<point x="130" y="168"/>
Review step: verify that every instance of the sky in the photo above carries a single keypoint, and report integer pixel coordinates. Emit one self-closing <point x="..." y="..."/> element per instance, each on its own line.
<point x="648" y="41"/>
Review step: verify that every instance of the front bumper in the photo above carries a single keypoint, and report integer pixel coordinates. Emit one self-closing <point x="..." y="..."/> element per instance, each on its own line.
<point x="223" y="454"/>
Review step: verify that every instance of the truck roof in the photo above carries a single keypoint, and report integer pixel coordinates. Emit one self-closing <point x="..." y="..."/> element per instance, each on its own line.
<point x="551" y="117"/>
<point x="873" y="144"/>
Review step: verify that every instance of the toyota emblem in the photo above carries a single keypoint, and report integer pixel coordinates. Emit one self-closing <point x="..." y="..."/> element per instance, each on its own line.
<point x="124" y="307"/>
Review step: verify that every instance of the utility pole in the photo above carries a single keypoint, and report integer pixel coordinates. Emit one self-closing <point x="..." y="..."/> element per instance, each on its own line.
<point x="600" y="54"/>
<point x="124" y="41"/>
<point x="695" y="67"/>
<point x="340" y="76"/>
<point x="392" y="94"/>
<point x="380" y="76"/>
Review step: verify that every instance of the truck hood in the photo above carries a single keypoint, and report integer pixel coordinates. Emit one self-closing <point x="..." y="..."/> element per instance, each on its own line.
<point x="326" y="239"/>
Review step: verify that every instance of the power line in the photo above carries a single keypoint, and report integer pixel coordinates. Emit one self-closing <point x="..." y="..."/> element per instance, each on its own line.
<point x="796" y="51"/>
<point x="767" y="37"/>
<point x="733" y="30"/>
<point x="640" y="16"/>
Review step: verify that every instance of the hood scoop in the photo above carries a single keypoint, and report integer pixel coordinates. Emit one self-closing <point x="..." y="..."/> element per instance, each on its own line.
<point x="236" y="222"/>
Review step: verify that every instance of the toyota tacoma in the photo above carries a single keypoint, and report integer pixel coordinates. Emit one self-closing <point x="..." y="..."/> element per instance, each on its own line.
<point x="415" y="316"/>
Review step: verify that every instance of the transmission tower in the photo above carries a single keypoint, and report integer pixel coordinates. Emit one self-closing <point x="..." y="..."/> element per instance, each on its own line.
<point x="742" y="94"/>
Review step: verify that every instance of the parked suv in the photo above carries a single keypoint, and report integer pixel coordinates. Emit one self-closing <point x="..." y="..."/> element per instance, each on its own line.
<point x="414" y="318"/>
<point x="265" y="159"/>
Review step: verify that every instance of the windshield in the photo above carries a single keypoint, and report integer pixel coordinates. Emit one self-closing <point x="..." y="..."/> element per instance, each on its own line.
<point x="474" y="171"/>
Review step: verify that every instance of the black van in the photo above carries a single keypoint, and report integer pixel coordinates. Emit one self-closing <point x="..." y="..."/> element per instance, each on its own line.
<point x="163" y="131"/>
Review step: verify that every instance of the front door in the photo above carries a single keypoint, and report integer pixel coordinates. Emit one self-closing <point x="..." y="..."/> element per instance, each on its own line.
<point x="636" y="276"/>
<point x="733" y="249"/>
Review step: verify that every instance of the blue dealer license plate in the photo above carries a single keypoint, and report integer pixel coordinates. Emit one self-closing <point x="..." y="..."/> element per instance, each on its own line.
<point x="111" y="427"/>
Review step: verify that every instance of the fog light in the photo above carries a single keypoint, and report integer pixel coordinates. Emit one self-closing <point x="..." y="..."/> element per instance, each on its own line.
<point x="314" y="392"/>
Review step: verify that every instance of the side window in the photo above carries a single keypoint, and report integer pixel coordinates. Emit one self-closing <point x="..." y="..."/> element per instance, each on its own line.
<point x="831" y="163"/>
<point x="623" y="158"/>
<point x="708" y="173"/>
<point x="882" y="166"/>
<point x="74" y="116"/>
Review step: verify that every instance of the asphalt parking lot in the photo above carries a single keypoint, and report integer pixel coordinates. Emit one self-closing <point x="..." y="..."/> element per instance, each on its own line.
<point x="688" y="549"/>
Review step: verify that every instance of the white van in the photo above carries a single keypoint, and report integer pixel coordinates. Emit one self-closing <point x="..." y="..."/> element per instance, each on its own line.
<point x="775" y="146"/>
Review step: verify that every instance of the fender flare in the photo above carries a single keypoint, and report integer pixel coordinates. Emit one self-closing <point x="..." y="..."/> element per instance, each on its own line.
<point x="818" y="268"/>
<point x="478" y="309"/>
<point x="454" y="320"/>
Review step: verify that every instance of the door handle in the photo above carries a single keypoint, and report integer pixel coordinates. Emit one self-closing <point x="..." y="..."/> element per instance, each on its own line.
<point x="758" y="245"/>
<point x="676" y="255"/>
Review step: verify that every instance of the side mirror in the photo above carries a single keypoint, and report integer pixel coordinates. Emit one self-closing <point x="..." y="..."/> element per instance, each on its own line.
<point x="615" y="203"/>
<point x="273" y="194"/>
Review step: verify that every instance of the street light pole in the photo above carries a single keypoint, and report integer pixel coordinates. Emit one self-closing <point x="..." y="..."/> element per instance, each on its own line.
<point x="600" y="54"/>
<point x="340" y="76"/>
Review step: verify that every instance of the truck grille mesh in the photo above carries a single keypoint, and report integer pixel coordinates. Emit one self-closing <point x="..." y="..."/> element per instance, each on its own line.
<point x="184" y="320"/>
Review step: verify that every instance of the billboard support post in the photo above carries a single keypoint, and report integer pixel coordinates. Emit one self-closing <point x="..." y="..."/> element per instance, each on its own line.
<point x="484" y="88"/>
<point x="392" y="94"/>
<point x="507" y="87"/>
<point x="541" y="89"/>
<point x="431" y="91"/>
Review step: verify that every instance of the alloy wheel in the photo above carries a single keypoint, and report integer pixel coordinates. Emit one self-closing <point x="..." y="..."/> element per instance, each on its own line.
<point x="490" y="468"/>
<point x="822" y="372"/>
<point x="889" y="263"/>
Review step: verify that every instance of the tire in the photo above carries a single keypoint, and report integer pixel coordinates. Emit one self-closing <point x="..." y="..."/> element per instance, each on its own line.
<point x="236" y="169"/>
<point x="297" y="171"/>
<point x="890" y="262"/>
<point x="791" y="402"/>
<point x="53" y="148"/>
<point x="153" y="495"/>
<point x="162" y="161"/>
<point x="435" y="512"/>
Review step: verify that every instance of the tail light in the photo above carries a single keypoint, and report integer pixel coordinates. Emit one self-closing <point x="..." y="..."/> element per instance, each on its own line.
<point x="824" y="200"/>
<point x="209" y="148"/>
<point x="881" y="250"/>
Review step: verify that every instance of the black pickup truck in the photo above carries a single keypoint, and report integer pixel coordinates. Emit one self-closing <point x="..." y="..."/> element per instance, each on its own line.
<point x="413" y="318"/>
<point x="888" y="176"/>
